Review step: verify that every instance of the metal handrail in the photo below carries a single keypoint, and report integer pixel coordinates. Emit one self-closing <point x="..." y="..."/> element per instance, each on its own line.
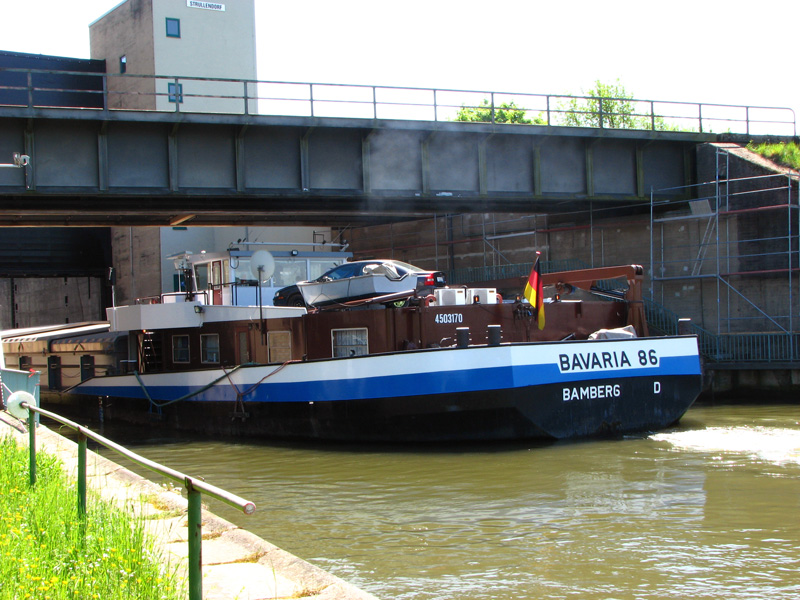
<point x="192" y="485"/>
<point x="730" y="348"/>
<point x="423" y="104"/>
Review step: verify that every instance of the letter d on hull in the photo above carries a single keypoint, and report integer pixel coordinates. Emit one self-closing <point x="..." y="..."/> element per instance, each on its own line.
<point x="656" y="387"/>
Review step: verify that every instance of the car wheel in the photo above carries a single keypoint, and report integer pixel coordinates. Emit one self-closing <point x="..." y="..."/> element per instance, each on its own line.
<point x="295" y="300"/>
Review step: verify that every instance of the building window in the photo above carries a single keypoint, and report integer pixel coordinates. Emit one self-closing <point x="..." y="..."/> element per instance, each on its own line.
<point x="173" y="28"/>
<point x="123" y="64"/>
<point x="175" y="91"/>
<point x="209" y="348"/>
<point x="349" y="342"/>
<point x="180" y="348"/>
<point x="279" y="344"/>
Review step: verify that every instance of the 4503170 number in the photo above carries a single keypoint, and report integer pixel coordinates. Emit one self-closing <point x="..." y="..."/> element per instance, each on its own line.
<point x="449" y="318"/>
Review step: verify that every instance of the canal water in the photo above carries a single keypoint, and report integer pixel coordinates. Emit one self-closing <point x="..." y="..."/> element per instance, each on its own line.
<point x="710" y="509"/>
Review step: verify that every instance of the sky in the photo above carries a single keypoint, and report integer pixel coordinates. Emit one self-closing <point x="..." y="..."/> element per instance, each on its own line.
<point x="709" y="51"/>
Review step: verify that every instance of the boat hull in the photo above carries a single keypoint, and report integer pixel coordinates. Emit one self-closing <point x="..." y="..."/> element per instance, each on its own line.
<point x="519" y="391"/>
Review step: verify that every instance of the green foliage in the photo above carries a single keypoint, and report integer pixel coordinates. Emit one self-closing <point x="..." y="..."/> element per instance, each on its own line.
<point x="611" y="106"/>
<point x="787" y="154"/>
<point x="506" y="112"/>
<point x="607" y="105"/>
<point x="48" y="551"/>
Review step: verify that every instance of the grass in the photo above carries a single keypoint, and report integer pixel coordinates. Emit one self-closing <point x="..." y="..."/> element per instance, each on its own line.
<point x="786" y="154"/>
<point x="48" y="552"/>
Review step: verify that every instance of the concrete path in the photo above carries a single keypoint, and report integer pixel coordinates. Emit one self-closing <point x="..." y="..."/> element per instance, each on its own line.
<point x="237" y="565"/>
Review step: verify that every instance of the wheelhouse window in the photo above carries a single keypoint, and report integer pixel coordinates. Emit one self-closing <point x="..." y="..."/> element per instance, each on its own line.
<point x="180" y="348"/>
<point x="349" y="342"/>
<point x="279" y="344"/>
<point x="209" y="348"/>
<point x="173" y="27"/>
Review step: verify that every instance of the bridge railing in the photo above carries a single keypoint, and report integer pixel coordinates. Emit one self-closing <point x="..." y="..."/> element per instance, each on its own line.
<point x="33" y="88"/>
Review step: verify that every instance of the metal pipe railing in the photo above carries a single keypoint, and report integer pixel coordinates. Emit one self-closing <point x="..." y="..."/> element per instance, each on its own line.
<point x="188" y="94"/>
<point x="194" y="487"/>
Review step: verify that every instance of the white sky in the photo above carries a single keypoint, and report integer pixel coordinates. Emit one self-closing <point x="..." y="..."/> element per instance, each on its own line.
<point x="706" y="51"/>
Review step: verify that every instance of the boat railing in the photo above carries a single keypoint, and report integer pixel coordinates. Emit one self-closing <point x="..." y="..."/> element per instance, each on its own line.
<point x="24" y="406"/>
<point x="173" y="298"/>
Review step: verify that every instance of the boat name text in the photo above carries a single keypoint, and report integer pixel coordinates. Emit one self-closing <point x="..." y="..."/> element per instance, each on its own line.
<point x="606" y="361"/>
<point x="591" y="392"/>
<point x="447" y="318"/>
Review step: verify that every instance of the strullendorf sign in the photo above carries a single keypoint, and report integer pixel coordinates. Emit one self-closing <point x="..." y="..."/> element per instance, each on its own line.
<point x="205" y="5"/>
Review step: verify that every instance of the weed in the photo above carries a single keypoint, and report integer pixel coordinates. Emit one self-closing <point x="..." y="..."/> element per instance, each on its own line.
<point x="48" y="551"/>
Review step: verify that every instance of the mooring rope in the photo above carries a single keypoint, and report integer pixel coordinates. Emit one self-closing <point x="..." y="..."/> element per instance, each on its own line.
<point x="225" y="374"/>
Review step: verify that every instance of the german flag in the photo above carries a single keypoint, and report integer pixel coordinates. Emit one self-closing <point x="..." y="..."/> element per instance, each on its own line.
<point x="533" y="292"/>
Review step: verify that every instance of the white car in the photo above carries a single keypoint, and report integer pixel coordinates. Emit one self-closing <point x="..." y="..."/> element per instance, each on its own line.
<point x="367" y="279"/>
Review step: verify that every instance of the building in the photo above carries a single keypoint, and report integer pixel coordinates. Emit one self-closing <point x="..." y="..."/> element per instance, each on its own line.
<point x="158" y="53"/>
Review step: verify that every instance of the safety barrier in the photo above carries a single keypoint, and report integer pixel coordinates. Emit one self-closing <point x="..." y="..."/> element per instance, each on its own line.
<point x="23" y="404"/>
<point x="111" y="91"/>
<point x="742" y="348"/>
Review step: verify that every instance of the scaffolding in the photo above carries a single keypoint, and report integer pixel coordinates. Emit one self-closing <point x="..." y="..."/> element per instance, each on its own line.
<point x="728" y="257"/>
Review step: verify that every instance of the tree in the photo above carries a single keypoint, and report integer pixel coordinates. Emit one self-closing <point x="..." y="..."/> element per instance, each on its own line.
<point x="610" y="105"/>
<point x="506" y="112"/>
<point x="606" y="105"/>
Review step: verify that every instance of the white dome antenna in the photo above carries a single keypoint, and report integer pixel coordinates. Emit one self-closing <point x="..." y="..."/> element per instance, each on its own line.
<point x="262" y="265"/>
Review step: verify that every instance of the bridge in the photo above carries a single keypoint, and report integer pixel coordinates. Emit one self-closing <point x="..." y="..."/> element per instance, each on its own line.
<point x="302" y="153"/>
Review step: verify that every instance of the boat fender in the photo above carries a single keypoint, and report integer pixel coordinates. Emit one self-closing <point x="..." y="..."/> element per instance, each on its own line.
<point x="429" y="299"/>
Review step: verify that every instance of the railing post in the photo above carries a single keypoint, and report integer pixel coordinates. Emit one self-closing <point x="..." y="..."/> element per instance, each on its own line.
<point x="246" y="99"/>
<point x="374" y="103"/>
<point x="548" y="110"/>
<point x="435" y="107"/>
<point x="311" y="97"/>
<point x="32" y="445"/>
<point x="195" y="542"/>
<point x="600" y="111"/>
<point x="747" y="119"/>
<point x="493" y="113"/>
<point x="30" y="89"/>
<point x="178" y="95"/>
<point x="82" y="439"/>
<point x="700" y="117"/>
<point x="652" y="115"/>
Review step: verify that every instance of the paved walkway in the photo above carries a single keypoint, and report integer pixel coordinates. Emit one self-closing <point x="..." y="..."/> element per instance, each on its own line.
<point x="237" y="565"/>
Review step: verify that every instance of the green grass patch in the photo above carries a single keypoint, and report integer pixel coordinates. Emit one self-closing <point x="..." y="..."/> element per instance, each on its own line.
<point x="48" y="552"/>
<point x="785" y="154"/>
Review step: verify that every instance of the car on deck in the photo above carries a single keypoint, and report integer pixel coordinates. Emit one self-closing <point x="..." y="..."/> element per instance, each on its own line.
<point x="360" y="280"/>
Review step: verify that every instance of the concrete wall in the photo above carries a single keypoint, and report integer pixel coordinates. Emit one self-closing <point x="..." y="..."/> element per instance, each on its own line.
<point x="35" y="301"/>
<point x="127" y="30"/>
<point x="212" y="43"/>
<point x="137" y="260"/>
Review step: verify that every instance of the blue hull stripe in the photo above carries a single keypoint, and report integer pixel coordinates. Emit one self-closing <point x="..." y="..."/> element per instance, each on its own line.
<point x="389" y="386"/>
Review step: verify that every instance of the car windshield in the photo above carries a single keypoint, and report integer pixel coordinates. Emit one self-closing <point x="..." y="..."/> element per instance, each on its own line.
<point x="357" y="268"/>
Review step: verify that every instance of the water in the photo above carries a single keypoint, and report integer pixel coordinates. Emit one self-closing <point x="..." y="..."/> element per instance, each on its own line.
<point x="708" y="510"/>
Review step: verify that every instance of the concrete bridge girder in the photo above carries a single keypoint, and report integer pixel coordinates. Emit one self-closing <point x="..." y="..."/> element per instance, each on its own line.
<point x="136" y="168"/>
